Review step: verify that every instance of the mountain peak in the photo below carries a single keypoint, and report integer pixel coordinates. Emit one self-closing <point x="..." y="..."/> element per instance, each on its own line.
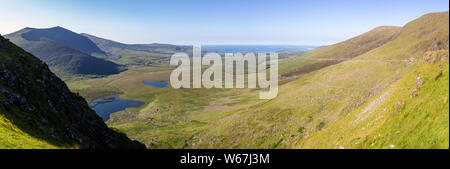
<point x="62" y="48"/>
<point x="43" y="109"/>
<point x="59" y="28"/>
<point x="62" y="36"/>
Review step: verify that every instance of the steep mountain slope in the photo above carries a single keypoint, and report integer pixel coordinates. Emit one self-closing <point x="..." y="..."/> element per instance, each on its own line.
<point x="330" y="55"/>
<point x="14" y="137"/>
<point x="411" y="113"/>
<point x="335" y="106"/>
<point x="63" y="50"/>
<point x="37" y="110"/>
<point x="63" y="36"/>
<point x="136" y="54"/>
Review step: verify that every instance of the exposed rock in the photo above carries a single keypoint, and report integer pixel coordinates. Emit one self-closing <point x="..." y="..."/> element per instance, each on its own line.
<point x="36" y="97"/>
<point x="427" y="58"/>
<point x="419" y="81"/>
<point x="412" y="60"/>
<point x="412" y="93"/>
<point x="142" y="146"/>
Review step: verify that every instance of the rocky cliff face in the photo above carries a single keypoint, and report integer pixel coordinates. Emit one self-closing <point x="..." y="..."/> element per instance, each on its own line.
<point x="41" y="104"/>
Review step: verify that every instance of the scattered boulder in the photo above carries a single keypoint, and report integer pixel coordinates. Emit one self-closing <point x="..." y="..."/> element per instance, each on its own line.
<point x="427" y="58"/>
<point x="419" y="81"/>
<point x="412" y="93"/>
<point x="444" y="57"/>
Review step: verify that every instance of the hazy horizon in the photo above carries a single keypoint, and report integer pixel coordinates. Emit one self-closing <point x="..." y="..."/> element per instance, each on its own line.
<point x="213" y="22"/>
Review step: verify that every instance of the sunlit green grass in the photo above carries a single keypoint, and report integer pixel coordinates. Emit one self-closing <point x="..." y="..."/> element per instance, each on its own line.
<point x="401" y="120"/>
<point x="12" y="137"/>
<point x="320" y="108"/>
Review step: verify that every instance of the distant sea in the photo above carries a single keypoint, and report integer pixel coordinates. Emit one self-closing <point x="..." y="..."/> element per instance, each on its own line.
<point x="255" y="48"/>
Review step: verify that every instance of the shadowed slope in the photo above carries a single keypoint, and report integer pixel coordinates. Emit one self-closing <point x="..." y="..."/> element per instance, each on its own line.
<point x="36" y="106"/>
<point x="63" y="50"/>
<point x="64" y="37"/>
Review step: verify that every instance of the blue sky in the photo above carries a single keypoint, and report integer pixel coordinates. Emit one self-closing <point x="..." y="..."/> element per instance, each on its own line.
<point x="297" y="22"/>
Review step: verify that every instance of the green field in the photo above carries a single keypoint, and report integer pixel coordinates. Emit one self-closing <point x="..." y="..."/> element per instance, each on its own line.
<point x="355" y="94"/>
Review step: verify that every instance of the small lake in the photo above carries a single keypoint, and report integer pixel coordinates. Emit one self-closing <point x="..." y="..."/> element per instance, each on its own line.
<point x="104" y="107"/>
<point x="158" y="84"/>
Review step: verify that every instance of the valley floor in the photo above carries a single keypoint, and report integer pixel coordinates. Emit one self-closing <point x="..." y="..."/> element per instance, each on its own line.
<point x="311" y="110"/>
<point x="388" y="89"/>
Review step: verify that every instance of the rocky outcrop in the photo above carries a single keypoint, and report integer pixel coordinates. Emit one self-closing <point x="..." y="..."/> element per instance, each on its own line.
<point x="40" y="103"/>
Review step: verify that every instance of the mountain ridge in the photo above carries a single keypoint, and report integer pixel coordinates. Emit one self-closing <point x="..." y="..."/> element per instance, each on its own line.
<point x="36" y="103"/>
<point x="137" y="54"/>
<point x="53" y="50"/>
<point x="339" y="52"/>
<point x="62" y="36"/>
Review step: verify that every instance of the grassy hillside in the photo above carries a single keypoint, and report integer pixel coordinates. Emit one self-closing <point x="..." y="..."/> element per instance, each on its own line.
<point x="15" y="138"/>
<point x="334" y="83"/>
<point x="37" y="110"/>
<point x="322" y="98"/>
<point x="412" y="113"/>
<point x="62" y="50"/>
<point x="330" y="55"/>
